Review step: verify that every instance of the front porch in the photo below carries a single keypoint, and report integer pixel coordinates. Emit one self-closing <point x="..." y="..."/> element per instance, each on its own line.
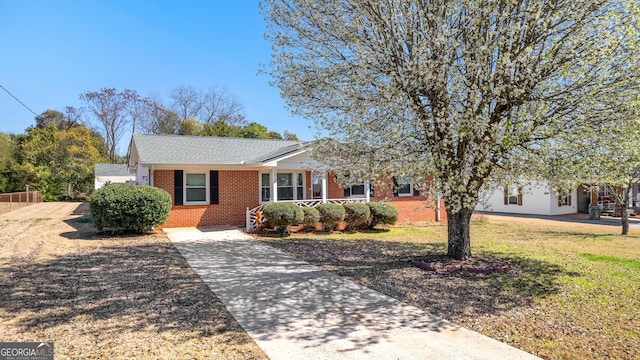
<point x="302" y="180"/>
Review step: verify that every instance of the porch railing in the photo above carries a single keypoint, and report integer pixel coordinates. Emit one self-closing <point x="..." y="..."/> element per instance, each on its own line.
<point x="607" y="206"/>
<point x="255" y="216"/>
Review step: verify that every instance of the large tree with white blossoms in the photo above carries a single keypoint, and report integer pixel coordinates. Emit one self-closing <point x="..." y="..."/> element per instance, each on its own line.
<point x="447" y="92"/>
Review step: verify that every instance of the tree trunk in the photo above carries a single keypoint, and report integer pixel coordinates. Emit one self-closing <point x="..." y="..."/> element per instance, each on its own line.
<point x="459" y="241"/>
<point x="624" y="220"/>
<point x="624" y="204"/>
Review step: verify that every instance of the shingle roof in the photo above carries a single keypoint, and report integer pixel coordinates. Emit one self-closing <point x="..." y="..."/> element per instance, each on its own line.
<point x="200" y="150"/>
<point x="111" y="170"/>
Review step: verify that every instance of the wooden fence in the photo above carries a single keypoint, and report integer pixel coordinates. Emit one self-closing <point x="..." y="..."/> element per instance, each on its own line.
<point x="16" y="200"/>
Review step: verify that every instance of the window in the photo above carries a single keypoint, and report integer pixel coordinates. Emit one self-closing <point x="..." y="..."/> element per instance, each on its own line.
<point x="299" y="186"/>
<point x="316" y="185"/>
<point x="564" y="198"/>
<point x="357" y="190"/>
<point x="403" y="187"/>
<point x="513" y="196"/>
<point x="285" y="186"/>
<point x="265" y="188"/>
<point x="196" y="188"/>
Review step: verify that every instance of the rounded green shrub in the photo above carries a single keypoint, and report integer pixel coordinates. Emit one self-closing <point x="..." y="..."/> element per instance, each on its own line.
<point x="382" y="214"/>
<point x="311" y="217"/>
<point x="132" y="208"/>
<point x="281" y="215"/>
<point x="356" y="215"/>
<point x="330" y="215"/>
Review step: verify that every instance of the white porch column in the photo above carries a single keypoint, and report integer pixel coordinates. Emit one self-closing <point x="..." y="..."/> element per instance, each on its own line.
<point x="274" y="185"/>
<point x="367" y="192"/>
<point x="324" y="187"/>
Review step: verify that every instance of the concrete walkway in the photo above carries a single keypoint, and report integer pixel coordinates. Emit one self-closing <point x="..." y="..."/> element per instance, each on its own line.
<point x="294" y="310"/>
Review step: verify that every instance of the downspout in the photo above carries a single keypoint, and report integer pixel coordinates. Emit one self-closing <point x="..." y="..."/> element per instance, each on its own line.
<point x="153" y="168"/>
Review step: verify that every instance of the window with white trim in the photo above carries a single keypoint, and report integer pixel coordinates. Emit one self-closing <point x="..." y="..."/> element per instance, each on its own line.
<point x="405" y="188"/>
<point x="265" y="187"/>
<point x="299" y="186"/>
<point x="316" y="185"/>
<point x="357" y="190"/>
<point x="285" y="186"/>
<point x="195" y="188"/>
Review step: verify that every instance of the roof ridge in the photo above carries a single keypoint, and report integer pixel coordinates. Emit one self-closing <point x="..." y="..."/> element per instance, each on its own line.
<point x="214" y="137"/>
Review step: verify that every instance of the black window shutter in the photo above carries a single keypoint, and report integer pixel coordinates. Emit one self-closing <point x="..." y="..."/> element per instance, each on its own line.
<point x="416" y="192"/>
<point x="371" y="190"/>
<point x="213" y="187"/>
<point x="347" y="191"/>
<point x="178" y="194"/>
<point x="395" y="186"/>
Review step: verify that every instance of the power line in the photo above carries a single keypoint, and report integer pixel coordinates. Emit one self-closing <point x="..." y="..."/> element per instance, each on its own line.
<point x="18" y="100"/>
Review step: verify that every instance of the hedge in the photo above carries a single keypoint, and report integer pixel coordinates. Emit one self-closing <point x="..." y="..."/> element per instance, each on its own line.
<point x="356" y="215"/>
<point x="121" y="207"/>
<point x="330" y="215"/>
<point x="382" y="214"/>
<point x="311" y="217"/>
<point x="282" y="215"/>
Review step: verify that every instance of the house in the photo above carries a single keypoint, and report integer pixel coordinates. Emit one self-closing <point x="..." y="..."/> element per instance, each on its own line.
<point x="227" y="181"/>
<point x="536" y="198"/>
<point x="112" y="173"/>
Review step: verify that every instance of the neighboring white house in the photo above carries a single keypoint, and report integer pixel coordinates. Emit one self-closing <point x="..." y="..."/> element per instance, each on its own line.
<point x="112" y="174"/>
<point x="535" y="199"/>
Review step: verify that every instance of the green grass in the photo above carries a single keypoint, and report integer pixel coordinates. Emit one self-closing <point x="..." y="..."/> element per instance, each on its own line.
<point x="572" y="291"/>
<point x="630" y="263"/>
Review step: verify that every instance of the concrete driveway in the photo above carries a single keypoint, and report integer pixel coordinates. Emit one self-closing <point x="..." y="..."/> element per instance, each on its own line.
<point x="294" y="310"/>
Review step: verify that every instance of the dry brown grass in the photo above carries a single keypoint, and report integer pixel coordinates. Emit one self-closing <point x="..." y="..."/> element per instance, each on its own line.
<point x="6" y="207"/>
<point x="558" y="290"/>
<point x="107" y="297"/>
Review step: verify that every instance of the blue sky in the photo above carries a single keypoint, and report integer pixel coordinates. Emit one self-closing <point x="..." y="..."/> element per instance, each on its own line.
<point x="52" y="51"/>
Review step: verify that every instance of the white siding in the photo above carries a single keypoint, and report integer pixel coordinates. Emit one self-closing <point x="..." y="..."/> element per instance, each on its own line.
<point x="102" y="180"/>
<point x="300" y="162"/>
<point x="142" y="175"/>
<point x="566" y="209"/>
<point x="537" y="199"/>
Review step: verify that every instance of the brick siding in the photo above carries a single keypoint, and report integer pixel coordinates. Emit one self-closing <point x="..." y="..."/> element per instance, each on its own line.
<point x="237" y="190"/>
<point x="240" y="189"/>
<point x="411" y="209"/>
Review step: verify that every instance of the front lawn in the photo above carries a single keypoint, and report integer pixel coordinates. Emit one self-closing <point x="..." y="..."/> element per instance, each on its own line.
<point x="98" y="296"/>
<point x="558" y="290"/>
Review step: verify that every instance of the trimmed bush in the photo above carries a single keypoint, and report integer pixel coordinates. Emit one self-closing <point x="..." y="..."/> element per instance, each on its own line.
<point x="330" y="215"/>
<point x="311" y="217"/>
<point x="356" y="215"/>
<point x="282" y="215"/>
<point x="131" y="208"/>
<point x="382" y="214"/>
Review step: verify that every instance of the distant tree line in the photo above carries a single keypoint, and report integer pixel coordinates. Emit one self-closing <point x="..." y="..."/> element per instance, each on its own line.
<point x="57" y="155"/>
<point x="188" y="111"/>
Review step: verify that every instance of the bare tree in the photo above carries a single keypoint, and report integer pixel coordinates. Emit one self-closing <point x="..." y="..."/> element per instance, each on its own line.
<point x="207" y="107"/>
<point x="108" y="106"/>
<point x="186" y="101"/>
<point x="158" y="120"/>
<point x="220" y="105"/>
<point x="136" y="107"/>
